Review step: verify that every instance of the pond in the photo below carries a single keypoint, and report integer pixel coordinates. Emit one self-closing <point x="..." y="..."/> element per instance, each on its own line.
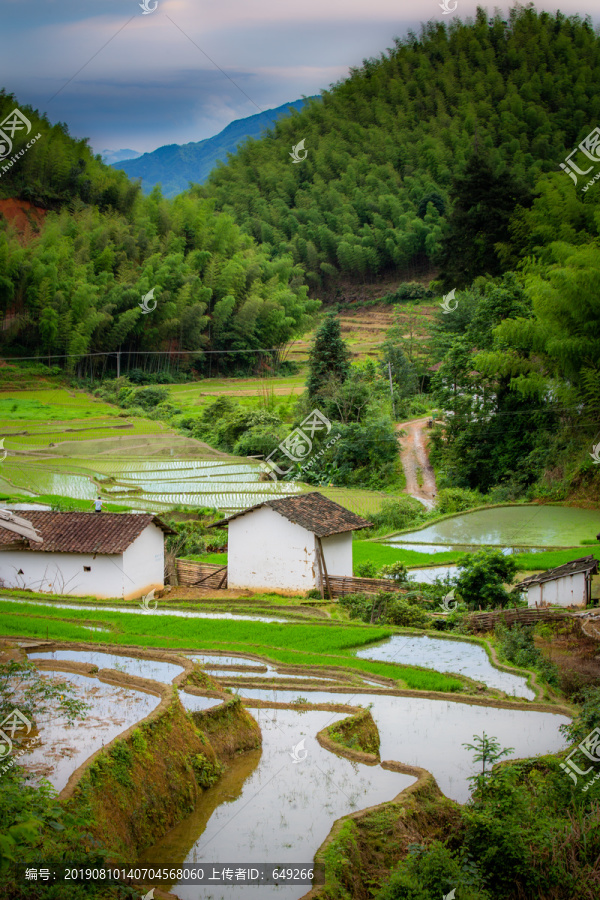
<point x="510" y="526"/>
<point x="65" y="747"/>
<point x="445" y="655"/>
<point x="268" y="808"/>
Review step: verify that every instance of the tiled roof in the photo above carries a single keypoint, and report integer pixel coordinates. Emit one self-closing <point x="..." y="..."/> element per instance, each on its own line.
<point x="583" y="564"/>
<point x="312" y="511"/>
<point x="84" y="532"/>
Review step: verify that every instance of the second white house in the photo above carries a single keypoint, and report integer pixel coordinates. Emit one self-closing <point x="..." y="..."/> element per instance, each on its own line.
<point x="290" y="544"/>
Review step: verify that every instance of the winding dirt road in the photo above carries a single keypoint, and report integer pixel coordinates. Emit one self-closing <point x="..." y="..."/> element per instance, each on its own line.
<point x="420" y="477"/>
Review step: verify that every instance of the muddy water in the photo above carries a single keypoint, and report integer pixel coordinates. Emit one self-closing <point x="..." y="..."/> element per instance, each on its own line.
<point x="430" y="733"/>
<point x="144" y="668"/>
<point x="444" y="655"/>
<point x="137" y="610"/>
<point x="65" y="747"/>
<point x="269" y="809"/>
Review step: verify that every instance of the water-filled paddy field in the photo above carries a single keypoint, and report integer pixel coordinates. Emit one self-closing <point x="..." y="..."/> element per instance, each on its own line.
<point x="63" y="747"/>
<point x="278" y="804"/>
<point x="506" y="526"/>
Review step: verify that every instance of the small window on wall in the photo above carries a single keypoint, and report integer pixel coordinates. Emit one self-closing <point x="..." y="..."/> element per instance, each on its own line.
<point x="87" y="568"/>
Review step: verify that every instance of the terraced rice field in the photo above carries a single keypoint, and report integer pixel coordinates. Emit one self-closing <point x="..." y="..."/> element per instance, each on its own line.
<point x="66" y="443"/>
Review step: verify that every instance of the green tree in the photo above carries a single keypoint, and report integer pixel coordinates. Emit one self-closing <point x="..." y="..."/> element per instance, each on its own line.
<point x="329" y="356"/>
<point x="481" y="579"/>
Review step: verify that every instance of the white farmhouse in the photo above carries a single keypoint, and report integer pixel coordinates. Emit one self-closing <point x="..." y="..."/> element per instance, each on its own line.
<point x="85" y="554"/>
<point x="568" y="585"/>
<point x="290" y="544"/>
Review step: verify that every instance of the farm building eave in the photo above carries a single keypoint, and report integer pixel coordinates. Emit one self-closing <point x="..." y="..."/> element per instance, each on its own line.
<point x="312" y="511"/>
<point x="583" y="564"/>
<point x="83" y="532"/>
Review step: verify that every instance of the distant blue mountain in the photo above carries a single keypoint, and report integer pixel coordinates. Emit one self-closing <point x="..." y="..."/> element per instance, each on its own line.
<point x="175" y="165"/>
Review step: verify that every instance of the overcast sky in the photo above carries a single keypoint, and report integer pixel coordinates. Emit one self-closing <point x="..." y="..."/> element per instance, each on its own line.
<point x="125" y="79"/>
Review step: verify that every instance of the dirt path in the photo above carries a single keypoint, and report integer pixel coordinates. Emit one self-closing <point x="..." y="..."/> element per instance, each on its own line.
<point x="420" y="477"/>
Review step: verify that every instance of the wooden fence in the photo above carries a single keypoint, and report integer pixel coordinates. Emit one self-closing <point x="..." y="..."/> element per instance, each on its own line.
<point x="346" y="584"/>
<point x="485" y="621"/>
<point x="195" y="574"/>
<point x="202" y="575"/>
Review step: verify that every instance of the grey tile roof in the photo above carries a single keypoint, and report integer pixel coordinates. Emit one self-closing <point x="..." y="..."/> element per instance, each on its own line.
<point x="583" y="564"/>
<point x="312" y="511"/>
<point x="84" y="532"/>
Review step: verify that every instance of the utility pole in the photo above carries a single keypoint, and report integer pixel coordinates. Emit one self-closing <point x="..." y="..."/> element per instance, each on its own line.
<point x="391" y="388"/>
<point x="118" y="363"/>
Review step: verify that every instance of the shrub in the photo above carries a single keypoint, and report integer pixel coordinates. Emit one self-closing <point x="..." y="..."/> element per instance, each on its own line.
<point x="517" y="646"/>
<point x="482" y="577"/>
<point x="366" y="569"/>
<point x="453" y="500"/>
<point x="396" y="572"/>
<point x="398" y="513"/>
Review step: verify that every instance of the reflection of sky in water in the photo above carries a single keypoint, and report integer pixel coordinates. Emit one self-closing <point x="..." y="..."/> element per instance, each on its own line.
<point x="282" y="811"/>
<point x="64" y="748"/>
<point x="136" y="610"/>
<point x="430" y="733"/>
<point x="448" y="656"/>
<point x="143" y="668"/>
<point x="539" y="526"/>
<point x="432" y="573"/>
<point x="269" y="671"/>
<point x="193" y="702"/>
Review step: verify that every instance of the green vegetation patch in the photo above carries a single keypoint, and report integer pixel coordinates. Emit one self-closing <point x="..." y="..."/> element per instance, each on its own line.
<point x="280" y="642"/>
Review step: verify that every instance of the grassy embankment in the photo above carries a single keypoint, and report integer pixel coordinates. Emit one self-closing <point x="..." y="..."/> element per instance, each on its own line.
<point x="331" y="645"/>
<point x="381" y="555"/>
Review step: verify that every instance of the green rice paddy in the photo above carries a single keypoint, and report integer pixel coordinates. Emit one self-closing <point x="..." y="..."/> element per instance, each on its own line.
<point x="330" y="645"/>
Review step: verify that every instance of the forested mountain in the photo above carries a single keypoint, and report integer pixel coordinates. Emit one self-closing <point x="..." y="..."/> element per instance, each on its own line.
<point x="77" y="287"/>
<point x="385" y="145"/>
<point x="174" y="166"/>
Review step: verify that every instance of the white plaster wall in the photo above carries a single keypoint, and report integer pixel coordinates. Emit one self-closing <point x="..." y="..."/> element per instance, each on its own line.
<point x="566" y="591"/>
<point x="534" y="595"/>
<point x="267" y="552"/>
<point x="144" y="563"/>
<point x="63" y="573"/>
<point x="337" y="551"/>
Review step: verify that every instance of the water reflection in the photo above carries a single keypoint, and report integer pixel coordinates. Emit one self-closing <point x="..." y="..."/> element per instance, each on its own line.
<point x="445" y="655"/>
<point x="269" y="809"/>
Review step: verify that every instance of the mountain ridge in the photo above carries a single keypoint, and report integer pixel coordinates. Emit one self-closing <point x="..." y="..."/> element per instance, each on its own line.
<point x="174" y="166"/>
